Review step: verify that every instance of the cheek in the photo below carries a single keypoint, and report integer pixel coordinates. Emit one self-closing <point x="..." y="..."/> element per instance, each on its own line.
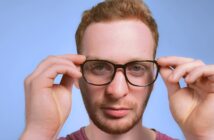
<point x="141" y="96"/>
<point x="90" y="94"/>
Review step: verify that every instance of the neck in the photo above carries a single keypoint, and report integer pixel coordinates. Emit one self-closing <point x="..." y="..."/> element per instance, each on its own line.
<point x="138" y="132"/>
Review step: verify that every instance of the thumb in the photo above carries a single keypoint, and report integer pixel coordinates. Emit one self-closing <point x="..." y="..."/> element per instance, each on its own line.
<point x="171" y="87"/>
<point x="67" y="82"/>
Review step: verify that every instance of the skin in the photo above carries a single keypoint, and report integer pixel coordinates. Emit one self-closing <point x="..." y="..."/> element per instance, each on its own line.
<point x="191" y="106"/>
<point x="48" y="105"/>
<point x="98" y="39"/>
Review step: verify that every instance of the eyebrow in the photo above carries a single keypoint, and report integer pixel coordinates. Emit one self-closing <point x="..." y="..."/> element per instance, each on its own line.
<point x="115" y="62"/>
<point x="92" y="58"/>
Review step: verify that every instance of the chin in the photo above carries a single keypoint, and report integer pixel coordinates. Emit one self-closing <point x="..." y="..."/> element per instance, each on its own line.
<point x="116" y="126"/>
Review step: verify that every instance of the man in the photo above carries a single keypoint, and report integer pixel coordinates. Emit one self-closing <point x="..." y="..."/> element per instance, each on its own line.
<point x="115" y="71"/>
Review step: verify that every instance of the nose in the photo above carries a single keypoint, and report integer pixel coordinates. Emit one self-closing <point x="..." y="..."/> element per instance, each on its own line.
<point x="118" y="87"/>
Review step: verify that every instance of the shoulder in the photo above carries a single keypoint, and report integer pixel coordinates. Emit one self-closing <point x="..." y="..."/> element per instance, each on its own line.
<point x="77" y="135"/>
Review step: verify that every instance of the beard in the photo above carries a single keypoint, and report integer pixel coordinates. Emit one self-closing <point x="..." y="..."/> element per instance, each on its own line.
<point x="106" y="123"/>
<point x="113" y="125"/>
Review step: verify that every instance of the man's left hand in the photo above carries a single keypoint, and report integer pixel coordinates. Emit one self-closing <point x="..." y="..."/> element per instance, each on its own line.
<point x="192" y="106"/>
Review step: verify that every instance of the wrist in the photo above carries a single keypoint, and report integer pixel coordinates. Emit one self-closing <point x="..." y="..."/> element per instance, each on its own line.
<point x="200" y="137"/>
<point x="38" y="134"/>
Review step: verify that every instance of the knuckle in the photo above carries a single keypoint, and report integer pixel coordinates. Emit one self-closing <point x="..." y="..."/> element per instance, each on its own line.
<point x="200" y="62"/>
<point x="51" y="56"/>
<point x="34" y="84"/>
<point x="49" y="59"/>
<point x="36" y="81"/>
<point x="27" y="80"/>
<point x="31" y="80"/>
<point x="28" y="83"/>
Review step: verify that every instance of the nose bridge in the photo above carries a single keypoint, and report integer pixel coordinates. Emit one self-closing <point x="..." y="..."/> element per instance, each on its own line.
<point x="122" y="70"/>
<point x="118" y="87"/>
<point x="119" y="66"/>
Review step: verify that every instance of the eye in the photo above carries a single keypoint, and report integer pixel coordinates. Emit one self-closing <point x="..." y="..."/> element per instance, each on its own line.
<point x="99" y="68"/>
<point x="136" y="69"/>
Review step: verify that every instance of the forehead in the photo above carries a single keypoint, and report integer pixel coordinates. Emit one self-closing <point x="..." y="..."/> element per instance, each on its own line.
<point x="118" y="41"/>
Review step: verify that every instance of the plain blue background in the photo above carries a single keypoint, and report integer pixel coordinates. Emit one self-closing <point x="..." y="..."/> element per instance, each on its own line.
<point x="32" y="30"/>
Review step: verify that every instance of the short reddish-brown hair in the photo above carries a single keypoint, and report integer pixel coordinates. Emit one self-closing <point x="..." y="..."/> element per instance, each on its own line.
<point x="111" y="10"/>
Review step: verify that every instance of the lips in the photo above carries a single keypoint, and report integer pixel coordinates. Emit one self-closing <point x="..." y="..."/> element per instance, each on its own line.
<point x="116" y="112"/>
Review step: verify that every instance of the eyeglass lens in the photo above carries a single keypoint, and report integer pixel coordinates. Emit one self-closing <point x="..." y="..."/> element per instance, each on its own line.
<point x="138" y="73"/>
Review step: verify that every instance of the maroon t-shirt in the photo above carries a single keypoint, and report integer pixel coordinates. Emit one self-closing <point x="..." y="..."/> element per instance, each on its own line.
<point x="80" y="135"/>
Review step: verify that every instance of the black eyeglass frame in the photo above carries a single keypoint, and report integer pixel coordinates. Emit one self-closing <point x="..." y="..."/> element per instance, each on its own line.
<point x="123" y="66"/>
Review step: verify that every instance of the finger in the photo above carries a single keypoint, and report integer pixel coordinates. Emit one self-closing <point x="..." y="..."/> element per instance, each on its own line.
<point x="171" y="87"/>
<point x="182" y="70"/>
<point x="46" y="79"/>
<point x="63" y="101"/>
<point x="67" y="81"/>
<point x="173" y="61"/>
<point x="51" y="60"/>
<point x="198" y="73"/>
<point x="76" y="59"/>
<point x="211" y="78"/>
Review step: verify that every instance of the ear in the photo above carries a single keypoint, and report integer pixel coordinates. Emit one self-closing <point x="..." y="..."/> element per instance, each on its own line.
<point x="76" y="83"/>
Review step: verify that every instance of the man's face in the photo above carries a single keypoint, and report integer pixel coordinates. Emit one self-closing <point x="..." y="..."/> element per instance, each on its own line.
<point x="117" y="107"/>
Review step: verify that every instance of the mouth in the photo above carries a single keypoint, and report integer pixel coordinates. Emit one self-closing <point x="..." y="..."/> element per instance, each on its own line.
<point x="116" y="112"/>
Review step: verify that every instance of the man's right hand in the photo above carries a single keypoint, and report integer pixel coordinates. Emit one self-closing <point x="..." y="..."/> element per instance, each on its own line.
<point x="47" y="104"/>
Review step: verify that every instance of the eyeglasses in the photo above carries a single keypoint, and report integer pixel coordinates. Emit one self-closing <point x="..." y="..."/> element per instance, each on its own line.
<point x="137" y="73"/>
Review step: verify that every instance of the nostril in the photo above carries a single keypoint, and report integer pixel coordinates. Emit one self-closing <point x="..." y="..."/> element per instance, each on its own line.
<point x="118" y="87"/>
